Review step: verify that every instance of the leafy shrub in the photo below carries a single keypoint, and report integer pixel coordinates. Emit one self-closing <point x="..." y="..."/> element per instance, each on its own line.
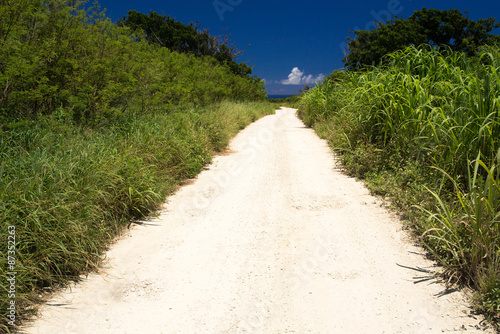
<point x="65" y="56"/>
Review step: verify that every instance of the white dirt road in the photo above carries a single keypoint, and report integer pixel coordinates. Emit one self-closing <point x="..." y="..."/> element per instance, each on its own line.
<point x="271" y="238"/>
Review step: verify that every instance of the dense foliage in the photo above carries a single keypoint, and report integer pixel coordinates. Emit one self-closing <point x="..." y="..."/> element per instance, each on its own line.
<point x="97" y="127"/>
<point x="439" y="28"/>
<point x="424" y="129"/>
<point x="177" y="36"/>
<point x="290" y="102"/>
<point x="67" y="57"/>
<point x="69" y="190"/>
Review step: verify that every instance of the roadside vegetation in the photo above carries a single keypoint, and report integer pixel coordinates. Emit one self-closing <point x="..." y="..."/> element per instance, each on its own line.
<point x="290" y="102"/>
<point x="98" y="125"/>
<point x="422" y="128"/>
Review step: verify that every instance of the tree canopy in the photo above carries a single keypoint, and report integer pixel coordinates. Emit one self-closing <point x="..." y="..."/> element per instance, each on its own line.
<point x="438" y="28"/>
<point x="64" y="57"/>
<point x="186" y="38"/>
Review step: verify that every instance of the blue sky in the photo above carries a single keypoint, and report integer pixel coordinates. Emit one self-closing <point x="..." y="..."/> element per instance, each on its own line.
<point x="291" y="43"/>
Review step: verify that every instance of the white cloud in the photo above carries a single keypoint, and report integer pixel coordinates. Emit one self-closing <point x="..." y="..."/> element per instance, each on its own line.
<point x="297" y="77"/>
<point x="310" y="79"/>
<point x="294" y="78"/>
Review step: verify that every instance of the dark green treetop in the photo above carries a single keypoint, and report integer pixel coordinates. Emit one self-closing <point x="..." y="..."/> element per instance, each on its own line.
<point x="186" y="38"/>
<point x="438" y="28"/>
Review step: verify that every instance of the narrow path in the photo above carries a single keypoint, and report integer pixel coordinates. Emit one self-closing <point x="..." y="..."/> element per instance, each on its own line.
<point x="270" y="239"/>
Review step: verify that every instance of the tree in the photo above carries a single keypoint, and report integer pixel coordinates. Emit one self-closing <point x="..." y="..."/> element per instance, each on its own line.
<point x="438" y="28"/>
<point x="63" y="57"/>
<point x="186" y="38"/>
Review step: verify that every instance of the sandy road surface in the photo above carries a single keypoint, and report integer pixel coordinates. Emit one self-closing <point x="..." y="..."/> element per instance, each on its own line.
<point x="270" y="239"/>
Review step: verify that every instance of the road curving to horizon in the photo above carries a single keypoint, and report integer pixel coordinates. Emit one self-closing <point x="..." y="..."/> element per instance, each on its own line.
<point x="270" y="238"/>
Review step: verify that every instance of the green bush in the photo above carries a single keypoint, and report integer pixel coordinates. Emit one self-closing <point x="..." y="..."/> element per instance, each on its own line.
<point x="60" y="56"/>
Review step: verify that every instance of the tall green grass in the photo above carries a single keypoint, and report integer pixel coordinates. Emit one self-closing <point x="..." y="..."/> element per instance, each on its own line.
<point x="423" y="109"/>
<point x="69" y="190"/>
